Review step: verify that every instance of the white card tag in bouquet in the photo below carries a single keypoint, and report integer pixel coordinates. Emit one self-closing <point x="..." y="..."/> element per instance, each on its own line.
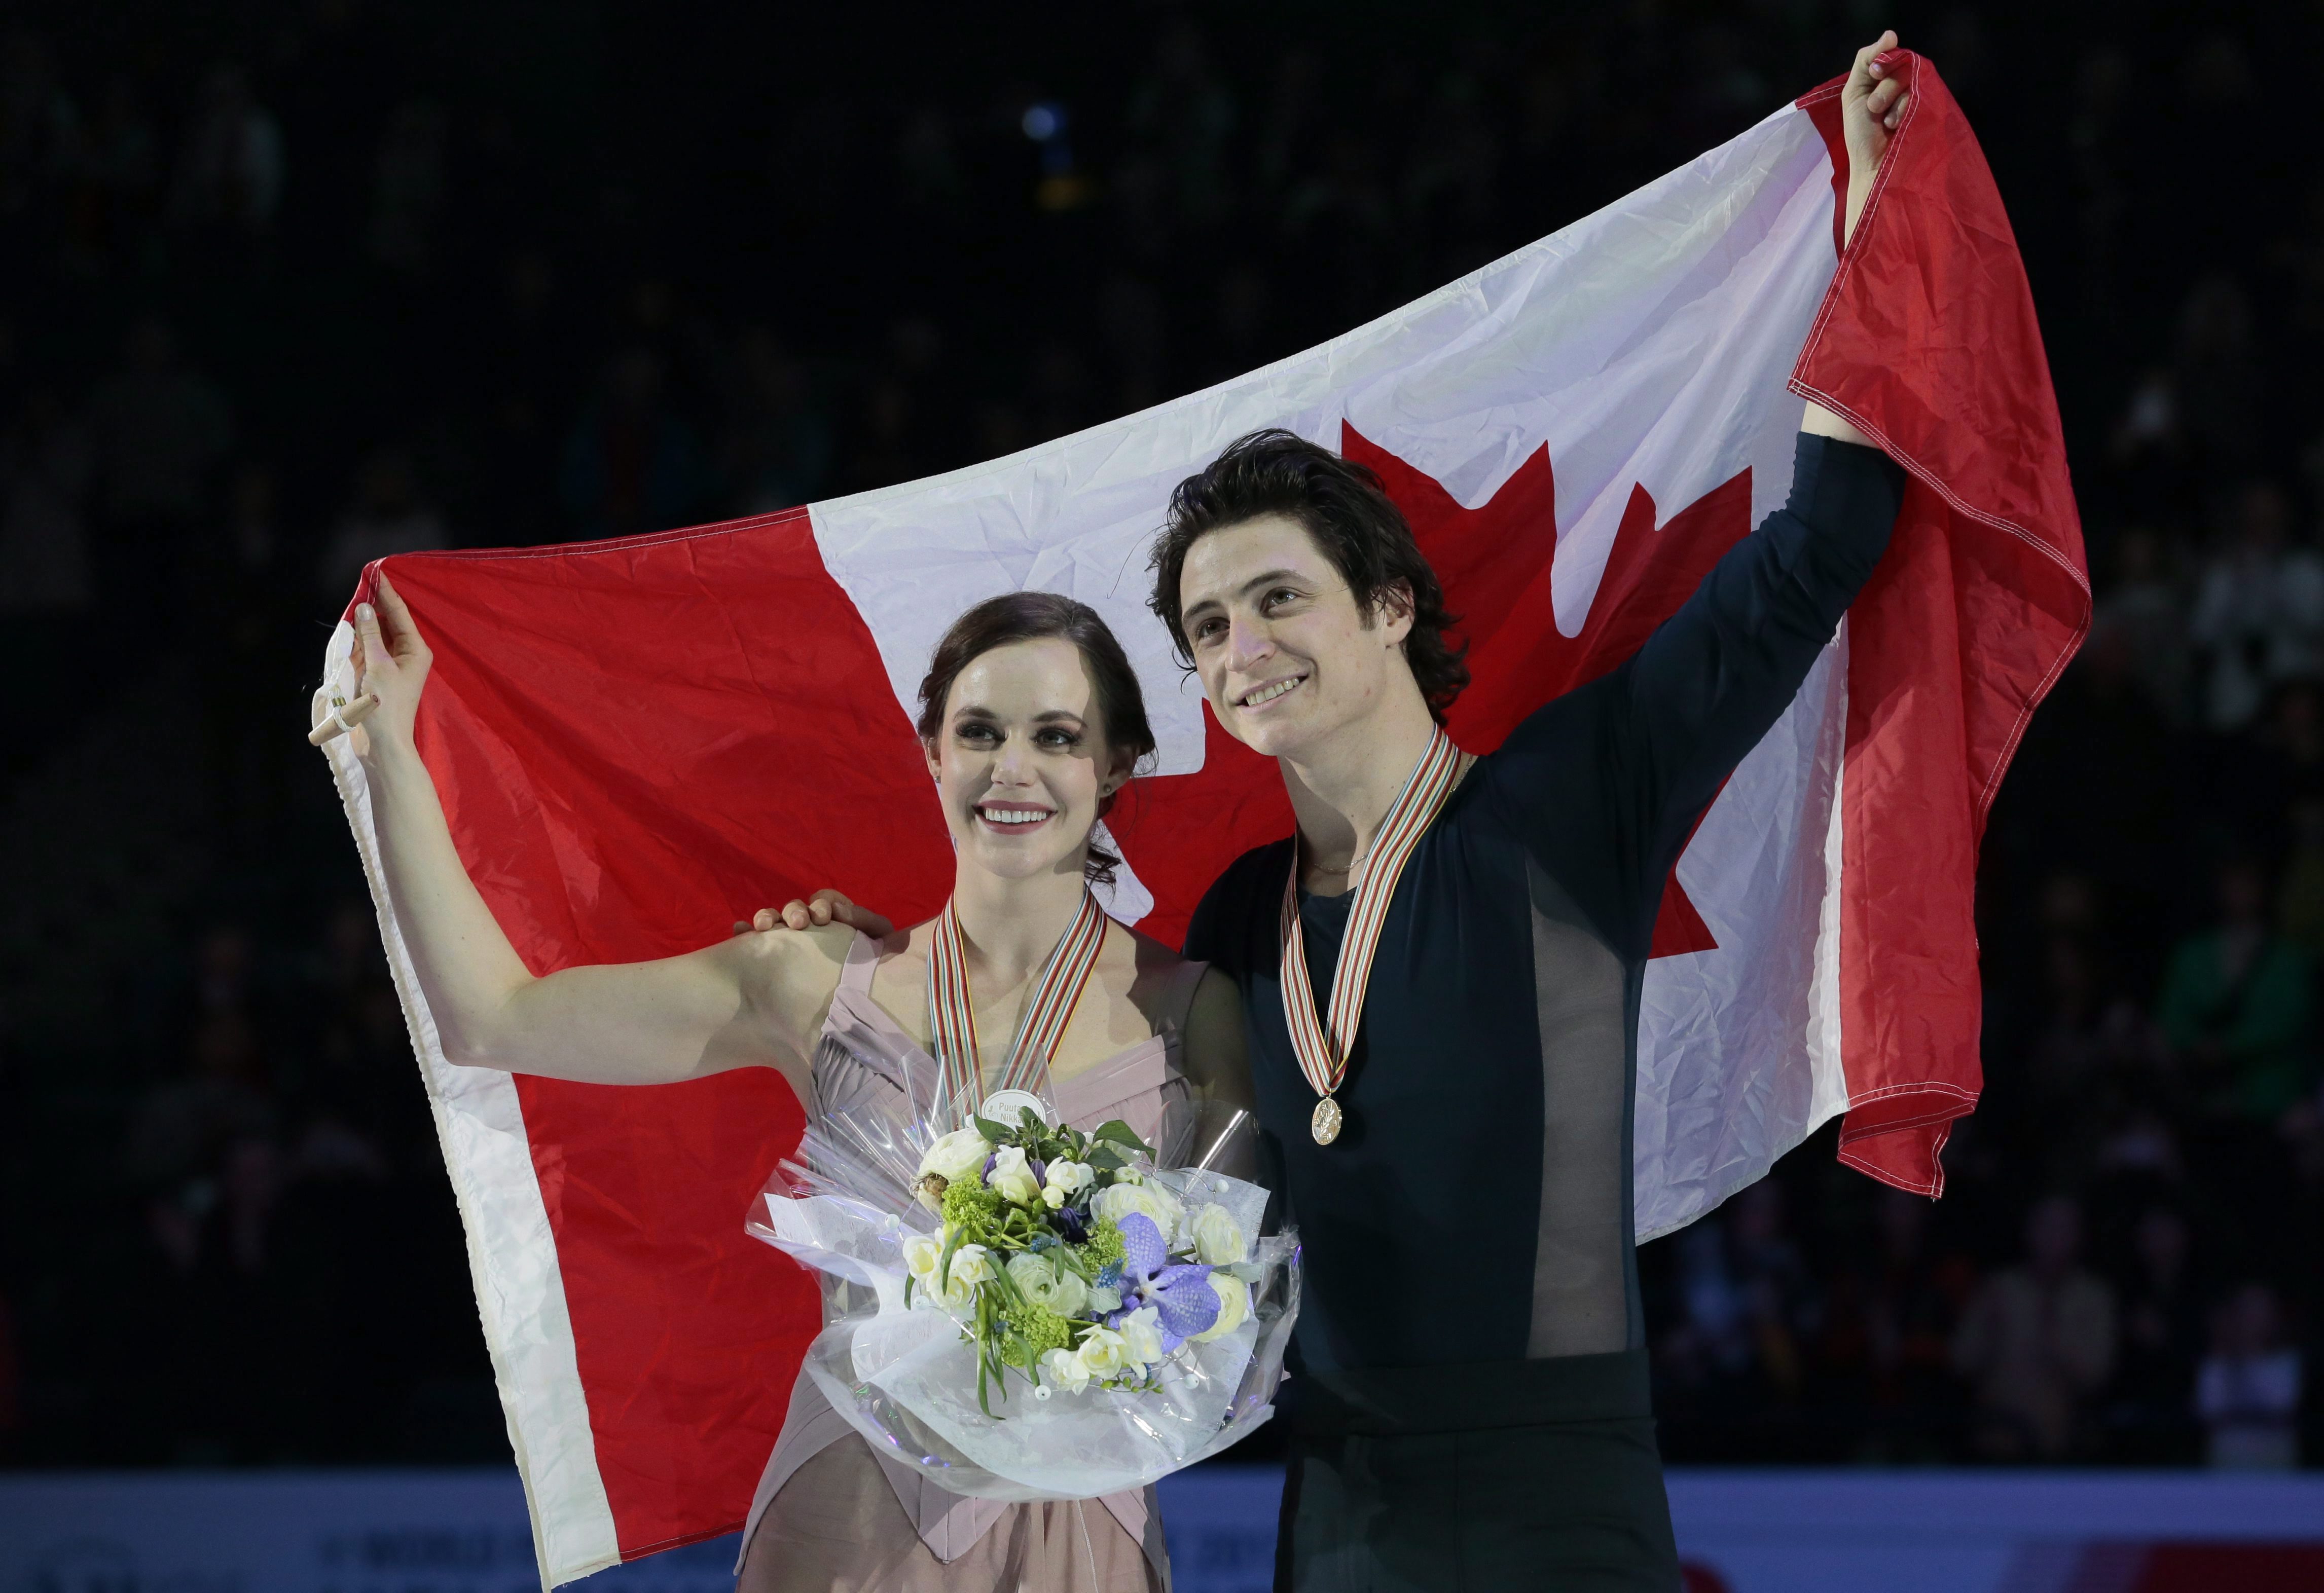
<point x="1008" y="1107"/>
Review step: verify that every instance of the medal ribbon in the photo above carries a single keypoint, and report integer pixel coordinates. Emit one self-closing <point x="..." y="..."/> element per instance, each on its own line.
<point x="1323" y="1053"/>
<point x="1055" y="993"/>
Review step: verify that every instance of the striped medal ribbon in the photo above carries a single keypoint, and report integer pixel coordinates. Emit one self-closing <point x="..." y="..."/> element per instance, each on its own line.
<point x="1323" y="1051"/>
<point x="1055" y="993"/>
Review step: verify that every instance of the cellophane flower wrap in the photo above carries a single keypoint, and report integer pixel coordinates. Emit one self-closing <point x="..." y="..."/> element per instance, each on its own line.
<point x="1023" y="1310"/>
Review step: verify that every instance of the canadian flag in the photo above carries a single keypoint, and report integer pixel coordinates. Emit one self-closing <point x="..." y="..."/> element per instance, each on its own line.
<point x="638" y="741"/>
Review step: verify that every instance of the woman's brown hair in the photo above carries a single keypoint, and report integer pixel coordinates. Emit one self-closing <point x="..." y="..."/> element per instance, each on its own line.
<point x="1032" y="616"/>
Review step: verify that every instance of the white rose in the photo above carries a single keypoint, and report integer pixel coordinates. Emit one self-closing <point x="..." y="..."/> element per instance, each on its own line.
<point x="1064" y="1369"/>
<point x="1035" y="1275"/>
<point x="1102" y="1354"/>
<point x="1218" y="1237"/>
<point x="1012" y="1177"/>
<point x="956" y="1155"/>
<point x="1141" y="1335"/>
<point x="1045" y="1283"/>
<point x="1118" y="1201"/>
<point x="1235" y="1305"/>
<point x="1071" y="1298"/>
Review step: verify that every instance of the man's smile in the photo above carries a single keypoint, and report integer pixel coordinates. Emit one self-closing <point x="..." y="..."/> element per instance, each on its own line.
<point x="1259" y="697"/>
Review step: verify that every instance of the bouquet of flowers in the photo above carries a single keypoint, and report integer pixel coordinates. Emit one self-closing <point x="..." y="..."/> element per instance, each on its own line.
<point x="1073" y="1267"/>
<point x="1022" y="1310"/>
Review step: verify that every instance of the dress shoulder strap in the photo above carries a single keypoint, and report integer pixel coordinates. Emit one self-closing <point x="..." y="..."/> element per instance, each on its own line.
<point x="862" y="962"/>
<point x="1179" y="998"/>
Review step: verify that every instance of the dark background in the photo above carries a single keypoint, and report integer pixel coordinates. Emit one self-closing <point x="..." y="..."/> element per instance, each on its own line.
<point x="285" y="286"/>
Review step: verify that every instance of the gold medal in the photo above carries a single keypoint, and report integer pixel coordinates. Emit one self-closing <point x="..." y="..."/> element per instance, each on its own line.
<point x="1325" y="1124"/>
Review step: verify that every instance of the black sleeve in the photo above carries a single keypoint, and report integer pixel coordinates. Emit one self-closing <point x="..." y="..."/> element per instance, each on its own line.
<point x="1203" y="940"/>
<point x="1220" y="933"/>
<point x="1664" y="730"/>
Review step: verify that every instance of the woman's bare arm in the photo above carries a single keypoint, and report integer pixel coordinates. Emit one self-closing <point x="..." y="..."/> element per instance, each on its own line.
<point x="752" y="1001"/>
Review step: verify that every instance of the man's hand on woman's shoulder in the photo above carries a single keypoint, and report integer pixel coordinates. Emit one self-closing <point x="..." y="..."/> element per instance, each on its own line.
<point x="825" y="907"/>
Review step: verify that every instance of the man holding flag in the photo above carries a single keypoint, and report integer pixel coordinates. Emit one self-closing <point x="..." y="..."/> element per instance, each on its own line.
<point x="1442" y="971"/>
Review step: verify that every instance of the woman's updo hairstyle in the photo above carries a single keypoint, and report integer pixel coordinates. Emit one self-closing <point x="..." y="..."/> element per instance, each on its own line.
<point x="1032" y="616"/>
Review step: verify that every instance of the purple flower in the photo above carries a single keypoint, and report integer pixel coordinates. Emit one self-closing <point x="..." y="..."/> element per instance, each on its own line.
<point x="1142" y="1253"/>
<point x="1183" y="1302"/>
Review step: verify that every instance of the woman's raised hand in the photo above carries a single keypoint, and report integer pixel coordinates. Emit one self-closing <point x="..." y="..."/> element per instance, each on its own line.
<point x="392" y="664"/>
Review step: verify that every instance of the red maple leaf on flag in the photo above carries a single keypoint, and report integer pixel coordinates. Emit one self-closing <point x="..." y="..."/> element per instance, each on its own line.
<point x="1496" y="562"/>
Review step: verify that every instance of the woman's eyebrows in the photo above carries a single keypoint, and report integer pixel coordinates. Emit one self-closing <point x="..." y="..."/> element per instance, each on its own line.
<point x="978" y="711"/>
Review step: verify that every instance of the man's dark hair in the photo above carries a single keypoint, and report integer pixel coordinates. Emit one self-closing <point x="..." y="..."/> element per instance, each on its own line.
<point x="1031" y="616"/>
<point x="1341" y="505"/>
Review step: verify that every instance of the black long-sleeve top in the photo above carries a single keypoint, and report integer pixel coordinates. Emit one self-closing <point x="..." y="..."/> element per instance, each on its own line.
<point x="1477" y="1205"/>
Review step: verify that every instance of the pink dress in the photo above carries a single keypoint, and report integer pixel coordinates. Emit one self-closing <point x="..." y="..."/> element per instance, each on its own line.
<point x="831" y="1515"/>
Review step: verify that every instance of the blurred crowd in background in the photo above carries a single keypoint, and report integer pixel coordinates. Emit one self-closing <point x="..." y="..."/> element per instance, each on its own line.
<point x="290" y="287"/>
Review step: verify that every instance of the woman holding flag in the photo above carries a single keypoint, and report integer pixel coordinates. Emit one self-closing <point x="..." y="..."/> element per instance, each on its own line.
<point x="1031" y="722"/>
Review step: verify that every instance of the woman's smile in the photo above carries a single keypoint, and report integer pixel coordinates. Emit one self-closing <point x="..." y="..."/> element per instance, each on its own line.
<point x="1014" y="817"/>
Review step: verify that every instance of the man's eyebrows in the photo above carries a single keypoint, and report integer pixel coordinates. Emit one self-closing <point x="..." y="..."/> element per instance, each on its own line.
<point x="1264" y="578"/>
<point x="1270" y="577"/>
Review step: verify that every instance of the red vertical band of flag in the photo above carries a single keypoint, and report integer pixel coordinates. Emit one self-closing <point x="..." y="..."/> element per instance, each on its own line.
<point x="622" y="790"/>
<point x="1927" y="341"/>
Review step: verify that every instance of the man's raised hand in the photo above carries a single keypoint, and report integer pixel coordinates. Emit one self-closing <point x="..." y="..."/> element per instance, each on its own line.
<point x="1871" y="109"/>
<point x="825" y="907"/>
